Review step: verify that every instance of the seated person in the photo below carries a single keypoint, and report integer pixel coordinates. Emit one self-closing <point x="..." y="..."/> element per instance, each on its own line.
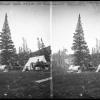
<point x="26" y="69"/>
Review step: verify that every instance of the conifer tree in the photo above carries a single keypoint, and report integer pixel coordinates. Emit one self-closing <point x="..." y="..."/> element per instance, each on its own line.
<point x="24" y="53"/>
<point x="38" y="44"/>
<point x="81" y="51"/>
<point x="8" y="50"/>
<point x="42" y="44"/>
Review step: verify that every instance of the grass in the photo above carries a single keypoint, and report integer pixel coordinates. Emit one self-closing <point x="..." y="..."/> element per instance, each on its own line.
<point x="23" y="85"/>
<point x="76" y="85"/>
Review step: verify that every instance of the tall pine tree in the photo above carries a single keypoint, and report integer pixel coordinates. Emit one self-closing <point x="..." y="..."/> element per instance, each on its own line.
<point x="81" y="51"/>
<point x="6" y="45"/>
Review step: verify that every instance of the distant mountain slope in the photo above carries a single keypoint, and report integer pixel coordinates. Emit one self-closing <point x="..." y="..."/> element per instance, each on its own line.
<point x="45" y="51"/>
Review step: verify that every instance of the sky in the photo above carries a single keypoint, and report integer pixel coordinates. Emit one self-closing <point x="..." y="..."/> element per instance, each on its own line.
<point x="27" y="19"/>
<point x="55" y="24"/>
<point x="64" y="20"/>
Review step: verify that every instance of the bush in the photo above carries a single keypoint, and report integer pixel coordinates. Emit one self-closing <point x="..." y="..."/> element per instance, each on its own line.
<point x="58" y="69"/>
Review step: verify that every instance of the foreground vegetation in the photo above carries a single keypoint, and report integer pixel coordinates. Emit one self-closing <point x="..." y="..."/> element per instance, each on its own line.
<point x="23" y="85"/>
<point x="76" y="85"/>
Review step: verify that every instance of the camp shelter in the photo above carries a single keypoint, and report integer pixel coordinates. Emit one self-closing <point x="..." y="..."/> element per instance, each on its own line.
<point x="33" y="60"/>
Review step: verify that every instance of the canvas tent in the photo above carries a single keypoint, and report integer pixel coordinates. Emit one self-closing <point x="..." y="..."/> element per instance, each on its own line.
<point x="98" y="68"/>
<point x="33" y="60"/>
<point x="2" y="67"/>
